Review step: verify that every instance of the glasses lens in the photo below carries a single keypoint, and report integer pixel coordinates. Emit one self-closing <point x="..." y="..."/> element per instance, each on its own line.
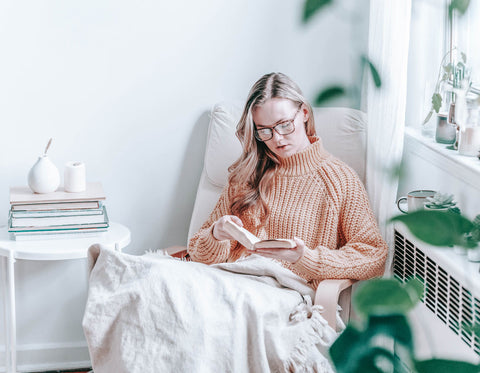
<point x="264" y="134"/>
<point x="285" y="128"/>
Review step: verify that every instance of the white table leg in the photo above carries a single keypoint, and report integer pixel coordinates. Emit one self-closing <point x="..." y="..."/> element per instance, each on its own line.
<point x="12" y="349"/>
<point x="5" y="311"/>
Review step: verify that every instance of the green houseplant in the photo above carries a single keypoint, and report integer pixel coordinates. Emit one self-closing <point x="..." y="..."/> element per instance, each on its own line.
<point x="441" y="202"/>
<point x="446" y="72"/>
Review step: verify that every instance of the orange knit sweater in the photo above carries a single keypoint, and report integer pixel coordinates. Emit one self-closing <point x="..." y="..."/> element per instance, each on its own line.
<point x="321" y="200"/>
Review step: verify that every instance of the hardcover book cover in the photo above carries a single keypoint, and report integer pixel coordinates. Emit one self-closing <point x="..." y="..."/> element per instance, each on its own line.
<point x="24" y="195"/>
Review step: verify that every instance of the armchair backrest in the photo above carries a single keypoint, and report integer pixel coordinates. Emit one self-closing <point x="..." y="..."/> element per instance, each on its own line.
<point x="342" y="131"/>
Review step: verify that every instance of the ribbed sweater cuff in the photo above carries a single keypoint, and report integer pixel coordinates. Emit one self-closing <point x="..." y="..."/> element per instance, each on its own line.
<point x="308" y="263"/>
<point x="210" y="249"/>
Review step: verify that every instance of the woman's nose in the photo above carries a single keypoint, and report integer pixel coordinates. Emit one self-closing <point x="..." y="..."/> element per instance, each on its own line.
<point x="276" y="136"/>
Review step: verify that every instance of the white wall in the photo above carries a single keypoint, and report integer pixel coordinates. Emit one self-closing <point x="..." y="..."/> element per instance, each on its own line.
<point x="126" y="87"/>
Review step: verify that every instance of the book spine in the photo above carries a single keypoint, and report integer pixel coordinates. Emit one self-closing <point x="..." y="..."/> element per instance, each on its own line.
<point x="56" y="206"/>
<point x="55" y="213"/>
<point x="38" y="224"/>
<point x="96" y="232"/>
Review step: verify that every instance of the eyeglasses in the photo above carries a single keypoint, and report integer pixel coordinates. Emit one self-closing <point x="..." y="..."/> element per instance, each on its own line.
<point x="284" y="128"/>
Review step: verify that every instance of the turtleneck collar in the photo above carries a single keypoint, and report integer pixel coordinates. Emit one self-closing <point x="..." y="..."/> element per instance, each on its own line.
<point x="303" y="162"/>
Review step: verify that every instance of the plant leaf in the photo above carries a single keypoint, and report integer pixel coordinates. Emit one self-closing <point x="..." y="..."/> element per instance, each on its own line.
<point x="373" y="70"/>
<point x="460" y="5"/>
<point x="448" y="69"/>
<point x="427" y="118"/>
<point x="329" y="93"/>
<point x="369" y="361"/>
<point x="383" y="296"/>
<point x="436" y="101"/>
<point x="352" y="352"/>
<point x="437" y="228"/>
<point x="471" y="328"/>
<point x="415" y="287"/>
<point x="346" y="349"/>
<point x="393" y="326"/>
<point x="464" y="57"/>
<point x="445" y="366"/>
<point x="311" y="7"/>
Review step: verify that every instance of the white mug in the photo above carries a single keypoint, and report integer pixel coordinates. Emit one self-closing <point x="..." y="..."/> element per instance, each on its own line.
<point x="415" y="200"/>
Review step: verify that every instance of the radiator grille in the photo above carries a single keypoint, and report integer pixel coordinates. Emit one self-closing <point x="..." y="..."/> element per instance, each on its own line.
<point x="443" y="295"/>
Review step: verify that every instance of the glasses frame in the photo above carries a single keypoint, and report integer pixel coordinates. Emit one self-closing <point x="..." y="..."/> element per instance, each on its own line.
<point x="291" y="121"/>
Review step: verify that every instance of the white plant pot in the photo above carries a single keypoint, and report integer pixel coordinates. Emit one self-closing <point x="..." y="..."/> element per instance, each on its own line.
<point x="43" y="176"/>
<point x="434" y="209"/>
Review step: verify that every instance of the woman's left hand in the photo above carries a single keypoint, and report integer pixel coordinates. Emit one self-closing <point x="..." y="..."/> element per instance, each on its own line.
<point x="288" y="255"/>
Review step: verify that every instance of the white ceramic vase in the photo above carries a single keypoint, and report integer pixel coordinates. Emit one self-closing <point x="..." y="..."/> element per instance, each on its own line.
<point x="44" y="176"/>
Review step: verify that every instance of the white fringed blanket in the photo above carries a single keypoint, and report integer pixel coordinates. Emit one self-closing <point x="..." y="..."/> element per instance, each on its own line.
<point x="154" y="313"/>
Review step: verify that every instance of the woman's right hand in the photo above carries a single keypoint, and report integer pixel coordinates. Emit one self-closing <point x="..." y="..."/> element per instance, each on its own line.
<point x="219" y="232"/>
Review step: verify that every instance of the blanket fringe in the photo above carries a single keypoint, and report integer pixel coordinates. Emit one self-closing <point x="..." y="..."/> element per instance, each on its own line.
<point x="316" y="333"/>
<point x="161" y="253"/>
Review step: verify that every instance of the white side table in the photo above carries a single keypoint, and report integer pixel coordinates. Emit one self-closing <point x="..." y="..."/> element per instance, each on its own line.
<point x="116" y="238"/>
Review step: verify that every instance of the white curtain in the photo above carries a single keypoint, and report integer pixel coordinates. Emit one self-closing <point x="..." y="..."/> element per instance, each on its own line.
<point x="389" y="30"/>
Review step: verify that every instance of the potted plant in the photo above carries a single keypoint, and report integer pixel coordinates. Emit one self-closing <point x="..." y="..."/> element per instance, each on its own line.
<point x="443" y="97"/>
<point x="441" y="202"/>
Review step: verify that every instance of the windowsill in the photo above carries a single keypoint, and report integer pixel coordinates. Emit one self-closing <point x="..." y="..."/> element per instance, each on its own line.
<point x="464" y="167"/>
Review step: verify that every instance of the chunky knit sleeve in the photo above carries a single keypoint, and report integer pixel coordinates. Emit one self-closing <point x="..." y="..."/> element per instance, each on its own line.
<point x="361" y="251"/>
<point x="203" y="247"/>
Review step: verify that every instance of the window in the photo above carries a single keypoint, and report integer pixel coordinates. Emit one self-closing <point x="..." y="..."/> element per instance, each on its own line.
<point x="466" y="31"/>
<point x="431" y="37"/>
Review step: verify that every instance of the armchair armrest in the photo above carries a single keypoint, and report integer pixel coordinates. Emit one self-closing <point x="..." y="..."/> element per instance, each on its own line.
<point x="328" y="295"/>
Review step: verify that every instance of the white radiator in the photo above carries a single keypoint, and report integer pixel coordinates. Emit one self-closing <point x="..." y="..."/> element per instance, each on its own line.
<point x="451" y="298"/>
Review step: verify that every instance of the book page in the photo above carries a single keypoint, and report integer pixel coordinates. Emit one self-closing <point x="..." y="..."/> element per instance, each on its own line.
<point x="252" y="242"/>
<point x="243" y="236"/>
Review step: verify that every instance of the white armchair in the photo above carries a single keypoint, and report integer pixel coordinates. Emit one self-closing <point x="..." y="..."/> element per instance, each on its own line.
<point x="342" y="131"/>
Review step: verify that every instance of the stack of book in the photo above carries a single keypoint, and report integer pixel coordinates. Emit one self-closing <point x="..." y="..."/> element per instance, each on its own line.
<point x="36" y="216"/>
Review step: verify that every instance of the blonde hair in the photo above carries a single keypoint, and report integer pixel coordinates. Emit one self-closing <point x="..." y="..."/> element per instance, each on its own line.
<point x="251" y="175"/>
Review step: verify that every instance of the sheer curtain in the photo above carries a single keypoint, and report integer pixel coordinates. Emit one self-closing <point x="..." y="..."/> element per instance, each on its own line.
<point x="389" y="30"/>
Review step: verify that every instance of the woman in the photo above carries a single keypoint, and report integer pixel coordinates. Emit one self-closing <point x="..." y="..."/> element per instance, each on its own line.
<point x="285" y="185"/>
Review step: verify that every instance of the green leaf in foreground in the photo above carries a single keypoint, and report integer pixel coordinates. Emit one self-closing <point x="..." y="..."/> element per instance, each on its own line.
<point x="415" y="287"/>
<point x="393" y="326"/>
<point x="352" y="352"/>
<point x="348" y="346"/>
<point x="373" y="70"/>
<point x="312" y="7"/>
<point x="445" y="366"/>
<point x="437" y="228"/>
<point x="329" y="93"/>
<point x="384" y="296"/>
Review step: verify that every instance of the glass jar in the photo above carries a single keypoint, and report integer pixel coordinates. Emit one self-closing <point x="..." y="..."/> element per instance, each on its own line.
<point x="445" y="133"/>
<point x="469" y="134"/>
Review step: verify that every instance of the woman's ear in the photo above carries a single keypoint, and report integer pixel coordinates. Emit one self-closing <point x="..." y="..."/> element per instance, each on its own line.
<point x="306" y="113"/>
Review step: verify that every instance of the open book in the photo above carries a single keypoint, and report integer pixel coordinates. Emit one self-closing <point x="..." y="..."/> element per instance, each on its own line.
<point x="252" y="242"/>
